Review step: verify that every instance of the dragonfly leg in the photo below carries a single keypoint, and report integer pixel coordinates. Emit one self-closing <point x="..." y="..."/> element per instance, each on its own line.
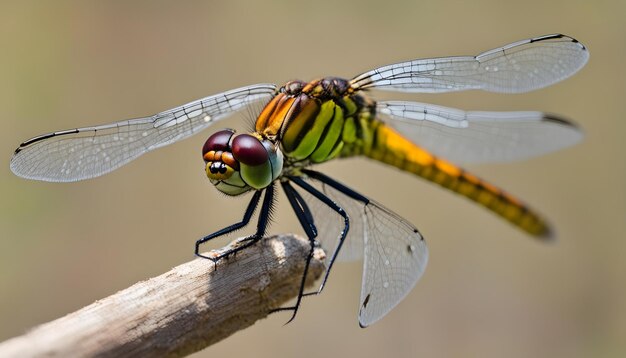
<point x="339" y="210"/>
<point x="250" y="240"/>
<point x="246" y="218"/>
<point x="305" y="217"/>
<point x="264" y="218"/>
<point x="302" y="210"/>
<point x="336" y="185"/>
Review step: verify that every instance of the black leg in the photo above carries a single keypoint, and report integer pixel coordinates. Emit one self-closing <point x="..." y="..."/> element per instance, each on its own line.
<point x="336" y="185"/>
<point x="246" y="218"/>
<point x="306" y="220"/>
<point x="339" y="210"/>
<point x="261" y="225"/>
<point x="301" y="209"/>
<point x="264" y="218"/>
<point x="306" y="210"/>
<point x="342" y="189"/>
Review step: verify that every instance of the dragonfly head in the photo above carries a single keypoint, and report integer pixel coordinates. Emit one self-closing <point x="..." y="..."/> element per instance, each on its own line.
<point x="236" y="163"/>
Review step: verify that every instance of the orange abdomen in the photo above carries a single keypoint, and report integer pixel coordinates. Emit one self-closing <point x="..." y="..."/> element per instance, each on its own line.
<point x="391" y="148"/>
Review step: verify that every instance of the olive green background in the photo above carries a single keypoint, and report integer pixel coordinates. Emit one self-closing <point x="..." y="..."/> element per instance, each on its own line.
<point x="489" y="290"/>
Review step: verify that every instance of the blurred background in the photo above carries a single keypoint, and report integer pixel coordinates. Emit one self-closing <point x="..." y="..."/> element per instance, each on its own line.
<point x="489" y="290"/>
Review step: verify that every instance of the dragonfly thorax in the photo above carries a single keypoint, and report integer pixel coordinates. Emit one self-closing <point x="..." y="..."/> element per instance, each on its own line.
<point x="236" y="163"/>
<point x="313" y="122"/>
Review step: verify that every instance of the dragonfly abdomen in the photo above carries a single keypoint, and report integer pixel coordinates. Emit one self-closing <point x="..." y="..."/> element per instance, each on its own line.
<point x="391" y="148"/>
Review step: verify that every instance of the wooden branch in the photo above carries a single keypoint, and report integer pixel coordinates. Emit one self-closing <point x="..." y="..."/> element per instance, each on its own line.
<point x="182" y="311"/>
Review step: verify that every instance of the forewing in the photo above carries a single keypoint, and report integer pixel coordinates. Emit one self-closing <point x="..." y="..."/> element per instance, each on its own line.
<point x="479" y="137"/>
<point x="84" y="153"/>
<point x="518" y="67"/>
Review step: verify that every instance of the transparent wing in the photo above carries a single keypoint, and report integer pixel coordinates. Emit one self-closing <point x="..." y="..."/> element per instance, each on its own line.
<point x="479" y="137"/>
<point x="395" y="258"/>
<point x="395" y="254"/>
<point x="89" y="152"/>
<point x="518" y="67"/>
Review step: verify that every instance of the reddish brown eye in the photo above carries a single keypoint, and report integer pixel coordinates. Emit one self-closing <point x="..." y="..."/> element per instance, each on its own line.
<point x="218" y="141"/>
<point x="248" y="150"/>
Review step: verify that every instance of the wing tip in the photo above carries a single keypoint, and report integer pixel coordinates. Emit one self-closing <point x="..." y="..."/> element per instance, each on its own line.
<point x="582" y="46"/>
<point x="558" y="36"/>
<point x="562" y="121"/>
<point x="363" y="324"/>
<point x="549" y="117"/>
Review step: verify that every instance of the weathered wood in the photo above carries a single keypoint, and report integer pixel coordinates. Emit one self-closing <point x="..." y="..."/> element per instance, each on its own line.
<point x="181" y="311"/>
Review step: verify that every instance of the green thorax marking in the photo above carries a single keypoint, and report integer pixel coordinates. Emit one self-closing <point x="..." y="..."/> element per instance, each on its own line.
<point x="325" y="119"/>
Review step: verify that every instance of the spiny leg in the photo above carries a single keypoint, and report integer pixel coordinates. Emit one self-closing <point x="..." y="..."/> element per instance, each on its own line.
<point x="298" y="203"/>
<point x="246" y="218"/>
<point x="264" y="218"/>
<point x="250" y="240"/>
<point x="336" y="185"/>
<point x="306" y="221"/>
<point x="339" y="210"/>
<point x="342" y="189"/>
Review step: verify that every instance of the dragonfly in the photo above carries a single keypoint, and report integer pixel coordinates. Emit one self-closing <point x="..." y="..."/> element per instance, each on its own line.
<point x="306" y="123"/>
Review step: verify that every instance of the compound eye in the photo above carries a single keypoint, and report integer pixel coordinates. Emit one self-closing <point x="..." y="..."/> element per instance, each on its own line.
<point x="218" y="141"/>
<point x="248" y="150"/>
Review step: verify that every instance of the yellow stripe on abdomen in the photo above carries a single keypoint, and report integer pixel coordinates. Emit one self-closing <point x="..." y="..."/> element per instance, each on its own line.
<point x="391" y="148"/>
